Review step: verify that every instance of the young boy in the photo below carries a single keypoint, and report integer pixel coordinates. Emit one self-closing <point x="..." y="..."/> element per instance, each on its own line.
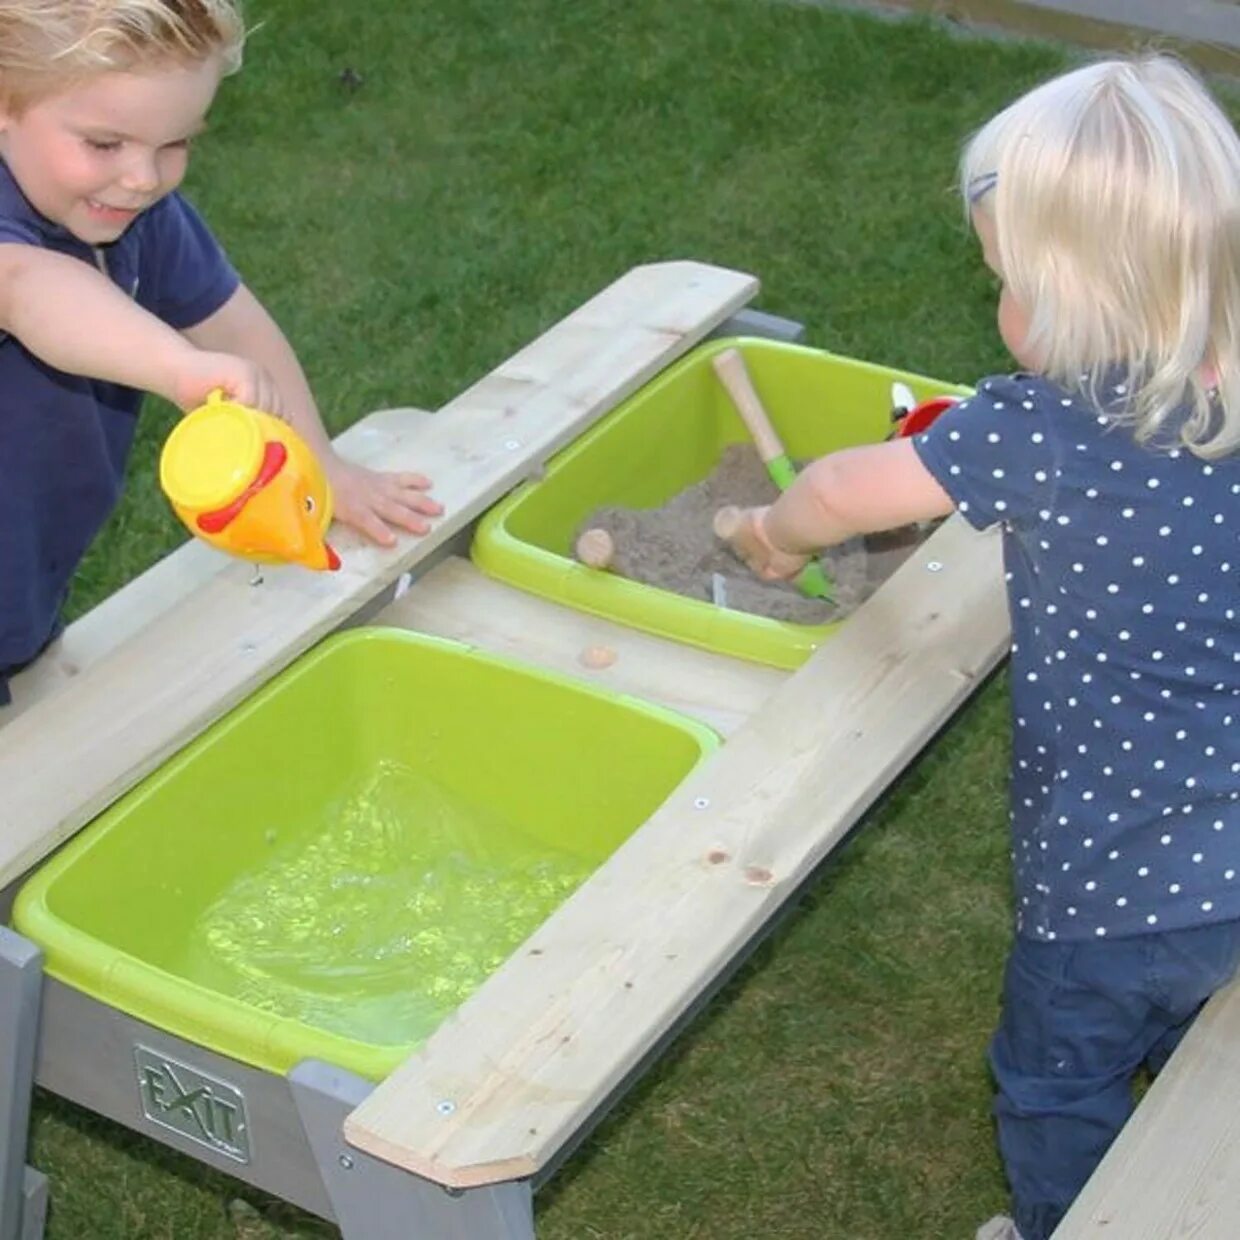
<point x="111" y="286"/>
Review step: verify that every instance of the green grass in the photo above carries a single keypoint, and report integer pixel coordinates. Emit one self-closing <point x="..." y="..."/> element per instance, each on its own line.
<point x="501" y="161"/>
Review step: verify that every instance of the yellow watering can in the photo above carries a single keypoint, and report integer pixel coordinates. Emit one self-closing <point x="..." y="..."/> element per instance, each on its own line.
<point x="247" y="483"/>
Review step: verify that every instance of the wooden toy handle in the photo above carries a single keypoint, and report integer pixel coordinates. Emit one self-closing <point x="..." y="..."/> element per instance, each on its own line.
<point x="730" y="367"/>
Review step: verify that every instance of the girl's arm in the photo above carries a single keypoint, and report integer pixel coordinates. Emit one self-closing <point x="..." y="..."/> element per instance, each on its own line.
<point x="371" y="502"/>
<point x="75" y="319"/>
<point x="855" y="491"/>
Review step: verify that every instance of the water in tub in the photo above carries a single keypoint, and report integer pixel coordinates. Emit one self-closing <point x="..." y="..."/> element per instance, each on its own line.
<point x="382" y="919"/>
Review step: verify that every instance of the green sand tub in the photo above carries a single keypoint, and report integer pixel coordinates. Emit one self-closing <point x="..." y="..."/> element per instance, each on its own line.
<point x="662" y="439"/>
<point x="337" y="864"/>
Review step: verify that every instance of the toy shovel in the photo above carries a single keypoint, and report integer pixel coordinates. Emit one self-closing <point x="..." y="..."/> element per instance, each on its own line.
<point x="730" y="367"/>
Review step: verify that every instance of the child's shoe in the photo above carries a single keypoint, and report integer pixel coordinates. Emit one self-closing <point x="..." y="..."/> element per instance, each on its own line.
<point x="998" y="1228"/>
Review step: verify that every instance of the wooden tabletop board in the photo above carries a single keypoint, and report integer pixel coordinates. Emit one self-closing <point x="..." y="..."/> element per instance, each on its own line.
<point x="509" y="1079"/>
<point x="76" y="750"/>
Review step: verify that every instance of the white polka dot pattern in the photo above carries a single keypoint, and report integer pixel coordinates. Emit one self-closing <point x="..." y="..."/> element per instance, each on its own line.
<point x="1121" y="568"/>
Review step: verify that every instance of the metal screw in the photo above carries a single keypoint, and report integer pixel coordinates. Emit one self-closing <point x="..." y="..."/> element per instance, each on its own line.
<point x="935" y="566"/>
<point x="701" y="802"/>
<point x="446" y="1107"/>
<point x="346" y="1162"/>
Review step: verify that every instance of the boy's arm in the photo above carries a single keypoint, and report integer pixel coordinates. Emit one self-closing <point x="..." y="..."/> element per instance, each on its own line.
<point x="369" y="501"/>
<point x="72" y="317"/>
<point x="855" y="491"/>
<point x="242" y="325"/>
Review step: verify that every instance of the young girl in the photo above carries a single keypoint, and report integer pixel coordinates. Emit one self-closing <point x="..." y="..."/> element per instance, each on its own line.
<point x="1107" y="202"/>
<point x="111" y="285"/>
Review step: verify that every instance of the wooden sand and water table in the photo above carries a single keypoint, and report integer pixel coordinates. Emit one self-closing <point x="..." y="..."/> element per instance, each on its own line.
<point x="452" y="1140"/>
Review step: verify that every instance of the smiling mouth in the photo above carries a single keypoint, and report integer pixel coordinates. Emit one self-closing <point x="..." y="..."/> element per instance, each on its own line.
<point x="106" y="209"/>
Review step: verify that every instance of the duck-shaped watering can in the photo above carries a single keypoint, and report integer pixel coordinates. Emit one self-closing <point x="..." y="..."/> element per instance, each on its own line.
<point x="247" y="483"/>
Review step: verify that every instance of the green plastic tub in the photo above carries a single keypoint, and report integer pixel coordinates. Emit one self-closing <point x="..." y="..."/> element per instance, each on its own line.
<point x="662" y="439"/>
<point x="337" y="864"/>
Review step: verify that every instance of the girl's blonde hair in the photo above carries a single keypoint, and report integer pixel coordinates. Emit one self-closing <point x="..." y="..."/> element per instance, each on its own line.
<point x="1115" y="196"/>
<point x="48" y="45"/>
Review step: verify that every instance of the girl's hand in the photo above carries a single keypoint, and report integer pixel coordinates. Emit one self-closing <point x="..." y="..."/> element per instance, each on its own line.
<point x="742" y="529"/>
<point x="372" y="503"/>
<point x="197" y="373"/>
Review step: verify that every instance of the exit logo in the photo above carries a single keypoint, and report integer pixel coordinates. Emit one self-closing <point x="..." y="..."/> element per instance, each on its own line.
<point x="200" y="1107"/>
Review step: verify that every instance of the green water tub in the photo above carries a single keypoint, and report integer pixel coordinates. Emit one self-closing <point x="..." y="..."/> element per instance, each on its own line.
<point x="333" y="867"/>
<point x="662" y="439"/>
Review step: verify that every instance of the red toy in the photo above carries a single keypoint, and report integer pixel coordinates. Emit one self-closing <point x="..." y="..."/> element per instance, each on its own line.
<point x="914" y="420"/>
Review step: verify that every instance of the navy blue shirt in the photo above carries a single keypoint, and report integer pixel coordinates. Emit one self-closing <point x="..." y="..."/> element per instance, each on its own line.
<point x="1121" y="563"/>
<point x="64" y="439"/>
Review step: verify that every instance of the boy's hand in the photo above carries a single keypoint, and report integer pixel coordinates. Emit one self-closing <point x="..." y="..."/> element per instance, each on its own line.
<point x="742" y="529"/>
<point x="198" y="373"/>
<point x="372" y="502"/>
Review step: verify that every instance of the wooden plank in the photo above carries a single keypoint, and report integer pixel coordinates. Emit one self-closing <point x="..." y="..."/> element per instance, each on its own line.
<point x="1174" y="1170"/>
<point x="70" y="755"/>
<point x="1204" y="31"/>
<point x="1195" y="21"/>
<point x="137" y="603"/>
<point x="508" y="1079"/>
<point x="456" y="600"/>
<point x="109" y="625"/>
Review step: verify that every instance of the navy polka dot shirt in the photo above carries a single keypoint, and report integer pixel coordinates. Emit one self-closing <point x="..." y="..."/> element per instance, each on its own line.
<point x="1121" y="566"/>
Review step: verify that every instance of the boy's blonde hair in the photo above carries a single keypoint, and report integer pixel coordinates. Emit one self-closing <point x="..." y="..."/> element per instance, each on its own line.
<point x="48" y="45"/>
<point x="1115" y="195"/>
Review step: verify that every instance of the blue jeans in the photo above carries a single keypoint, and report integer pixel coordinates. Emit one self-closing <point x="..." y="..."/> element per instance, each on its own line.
<point x="5" y="672"/>
<point x="1079" y="1020"/>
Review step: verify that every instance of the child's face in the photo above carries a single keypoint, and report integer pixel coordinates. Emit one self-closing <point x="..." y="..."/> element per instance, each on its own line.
<point x="1011" y="315"/>
<point x="94" y="156"/>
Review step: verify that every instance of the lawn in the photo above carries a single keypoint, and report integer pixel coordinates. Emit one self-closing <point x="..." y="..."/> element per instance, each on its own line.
<point x="416" y="190"/>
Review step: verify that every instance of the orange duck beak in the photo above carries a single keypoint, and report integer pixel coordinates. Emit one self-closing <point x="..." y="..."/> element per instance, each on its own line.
<point x="279" y="518"/>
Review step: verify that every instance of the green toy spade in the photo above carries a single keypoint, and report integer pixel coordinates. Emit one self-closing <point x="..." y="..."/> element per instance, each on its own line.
<point x="730" y="367"/>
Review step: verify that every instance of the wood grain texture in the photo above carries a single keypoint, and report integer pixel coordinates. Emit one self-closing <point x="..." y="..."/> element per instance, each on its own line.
<point x="140" y="601"/>
<point x="70" y="755"/>
<point x="524" y="1063"/>
<point x="456" y="600"/>
<point x="1173" y="1171"/>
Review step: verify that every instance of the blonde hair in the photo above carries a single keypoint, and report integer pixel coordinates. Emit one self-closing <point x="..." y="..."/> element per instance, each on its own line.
<point x="1115" y="196"/>
<point x="48" y="45"/>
